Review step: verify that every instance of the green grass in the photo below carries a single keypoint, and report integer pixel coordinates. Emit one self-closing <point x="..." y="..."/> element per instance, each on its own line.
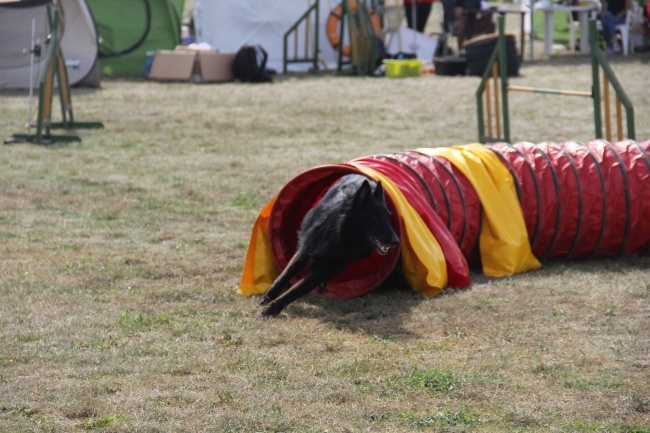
<point x="141" y="322"/>
<point x="100" y="422"/>
<point x="433" y="379"/>
<point x="560" y="27"/>
<point x="442" y="420"/>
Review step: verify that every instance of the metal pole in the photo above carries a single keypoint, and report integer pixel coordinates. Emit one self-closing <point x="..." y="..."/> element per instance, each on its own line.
<point x="479" y="109"/>
<point x="497" y="115"/>
<point x="551" y="91"/>
<point x="595" y="86"/>
<point x="316" y="31"/>
<point x="532" y="30"/>
<point x="608" y="114"/>
<point x="503" y="72"/>
<point x="619" y="118"/>
<point x="414" y="16"/>
<point x="344" y="13"/>
<point x="30" y="115"/>
<point x="307" y="31"/>
<point x="488" y="109"/>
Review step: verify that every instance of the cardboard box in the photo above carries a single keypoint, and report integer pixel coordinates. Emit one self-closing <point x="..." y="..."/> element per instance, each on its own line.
<point x="174" y="65"/>
<point x="214" y="66"/>
<point x="199" y="66"/>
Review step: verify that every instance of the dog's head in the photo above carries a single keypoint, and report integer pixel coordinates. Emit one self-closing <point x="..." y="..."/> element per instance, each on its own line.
<point x="370" y="206"/>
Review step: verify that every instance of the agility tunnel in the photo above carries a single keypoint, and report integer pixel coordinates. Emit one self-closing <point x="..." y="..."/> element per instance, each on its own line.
<point x="502" y="207"/>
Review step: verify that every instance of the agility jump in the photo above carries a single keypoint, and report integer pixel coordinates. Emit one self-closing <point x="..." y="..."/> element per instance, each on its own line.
<point x="495" y="110"/>
<point x="55" y="68"/>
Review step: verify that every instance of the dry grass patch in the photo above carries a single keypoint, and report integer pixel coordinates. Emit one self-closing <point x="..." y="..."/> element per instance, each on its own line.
<point x="120" y="256"/>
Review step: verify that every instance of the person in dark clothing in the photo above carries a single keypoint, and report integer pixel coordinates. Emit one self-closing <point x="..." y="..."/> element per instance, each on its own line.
<point x="471" y="18"/>
<point x="422" y="11"/>
<point x="614" y="12"/>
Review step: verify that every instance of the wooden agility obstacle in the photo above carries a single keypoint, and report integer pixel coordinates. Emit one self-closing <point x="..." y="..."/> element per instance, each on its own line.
<point x="493" y="113"/>
<point x="55" y="69"/>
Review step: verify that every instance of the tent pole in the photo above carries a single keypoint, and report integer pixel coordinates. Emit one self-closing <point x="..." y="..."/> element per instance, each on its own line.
<point x="30" y="115"/>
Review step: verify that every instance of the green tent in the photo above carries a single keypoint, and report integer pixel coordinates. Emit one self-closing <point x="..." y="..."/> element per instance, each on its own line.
<point x="129" y="29"/>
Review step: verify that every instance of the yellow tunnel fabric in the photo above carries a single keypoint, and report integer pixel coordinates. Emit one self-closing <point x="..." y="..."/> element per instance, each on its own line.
<point x="422" y="260"/>
<point x="504" y="245"/>
<point x="260" y="269"/>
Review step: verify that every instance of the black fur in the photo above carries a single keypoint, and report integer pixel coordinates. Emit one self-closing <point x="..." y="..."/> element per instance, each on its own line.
<point x="347" y="224"/>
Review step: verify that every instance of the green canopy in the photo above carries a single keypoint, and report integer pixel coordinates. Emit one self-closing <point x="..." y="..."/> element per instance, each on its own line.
<point x="129" y="29"/>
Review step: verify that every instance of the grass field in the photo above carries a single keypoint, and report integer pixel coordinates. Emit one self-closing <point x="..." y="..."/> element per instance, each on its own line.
<point x="560" y="27"/>
<point x="120" y="256"/>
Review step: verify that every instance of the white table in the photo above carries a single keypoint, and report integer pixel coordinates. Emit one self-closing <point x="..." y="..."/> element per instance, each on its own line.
<point x="583" y="15"/>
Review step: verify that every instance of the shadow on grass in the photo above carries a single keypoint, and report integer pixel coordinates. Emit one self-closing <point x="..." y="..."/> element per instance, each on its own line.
<point x="616" y="265"/>
<point x="622" y="264"/>
<point x="50" y="142"/>
<point x="381" y="313"/>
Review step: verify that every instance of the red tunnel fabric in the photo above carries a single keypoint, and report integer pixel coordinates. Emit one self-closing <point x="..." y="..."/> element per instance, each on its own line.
<point x="583" y="200"/>
<point x="579" y="200"/>
<point x="453" y="189"/>
<point x="419" y="197"/>
<point x="635" y="157"/>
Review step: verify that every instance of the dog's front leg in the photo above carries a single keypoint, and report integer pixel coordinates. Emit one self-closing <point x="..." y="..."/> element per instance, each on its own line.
<point x="282" y="281"/>
<point x="299" y="289"/>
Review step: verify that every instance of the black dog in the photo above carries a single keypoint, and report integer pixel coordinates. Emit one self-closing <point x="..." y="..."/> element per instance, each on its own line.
<point x="348" y="223"/>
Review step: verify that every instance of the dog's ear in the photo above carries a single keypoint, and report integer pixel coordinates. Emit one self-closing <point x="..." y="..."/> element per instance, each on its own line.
<point x="379" y="191"/>
<point x="364" y="192"/>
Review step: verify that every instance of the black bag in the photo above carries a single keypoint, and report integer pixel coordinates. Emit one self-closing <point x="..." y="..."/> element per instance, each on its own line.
<point x="249" y="65"/>
<point x="480" y="50"/>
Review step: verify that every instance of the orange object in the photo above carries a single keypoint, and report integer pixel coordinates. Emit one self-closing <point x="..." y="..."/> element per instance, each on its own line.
<point x="260" y="269"/>
<point x="333" y="26"/>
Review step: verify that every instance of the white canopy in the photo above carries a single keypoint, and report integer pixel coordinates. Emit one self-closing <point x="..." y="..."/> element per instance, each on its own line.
<point x="229" y="24"/>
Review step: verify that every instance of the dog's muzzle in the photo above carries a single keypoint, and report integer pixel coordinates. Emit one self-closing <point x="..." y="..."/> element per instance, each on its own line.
<point x="383" y="248"/>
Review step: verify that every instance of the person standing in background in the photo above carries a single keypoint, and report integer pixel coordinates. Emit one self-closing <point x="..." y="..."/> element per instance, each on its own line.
<point x="614" y="12"/>
<point x="422" y="11"/>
